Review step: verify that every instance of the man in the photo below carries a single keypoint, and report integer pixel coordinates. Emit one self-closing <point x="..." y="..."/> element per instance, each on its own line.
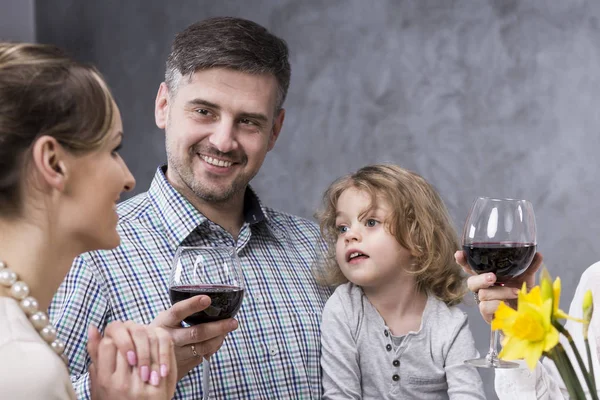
<point x="221" y="108"/>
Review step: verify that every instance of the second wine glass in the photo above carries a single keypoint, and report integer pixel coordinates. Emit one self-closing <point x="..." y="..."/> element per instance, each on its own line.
<point x="500" y="237"/>
<point x="210" y="271"/>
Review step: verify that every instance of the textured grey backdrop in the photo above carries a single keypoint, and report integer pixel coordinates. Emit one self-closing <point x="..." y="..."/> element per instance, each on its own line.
<point x="17" y="20"/>
<point x="494" y="97"/>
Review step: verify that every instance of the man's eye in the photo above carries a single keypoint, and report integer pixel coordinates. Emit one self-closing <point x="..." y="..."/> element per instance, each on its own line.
<point x="246" y="121"/>
<point x="371" y="222"/>
<point x="202" y="111"/>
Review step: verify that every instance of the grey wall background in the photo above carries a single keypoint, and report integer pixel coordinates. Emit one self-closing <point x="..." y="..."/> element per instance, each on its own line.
<point x="496" y="97"/>
<point x="17" y="20"/>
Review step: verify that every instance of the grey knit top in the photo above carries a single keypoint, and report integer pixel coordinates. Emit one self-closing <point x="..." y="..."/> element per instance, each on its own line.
<point x="360" y="361"/>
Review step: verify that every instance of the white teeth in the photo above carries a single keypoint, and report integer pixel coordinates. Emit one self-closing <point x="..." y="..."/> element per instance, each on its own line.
<point x="355" y="254"/>
<point x="216" y="163"/>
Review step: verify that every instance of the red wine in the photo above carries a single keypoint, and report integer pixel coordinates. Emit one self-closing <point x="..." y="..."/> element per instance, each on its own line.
<point x="225" y="301"/>
<point x="506" y="260"/>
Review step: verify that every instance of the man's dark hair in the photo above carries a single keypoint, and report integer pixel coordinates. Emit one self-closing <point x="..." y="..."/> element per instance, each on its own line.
<point x="226" y="42"/>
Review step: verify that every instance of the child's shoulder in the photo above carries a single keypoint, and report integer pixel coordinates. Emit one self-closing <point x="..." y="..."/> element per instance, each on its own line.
<point x="346" y="296"/>
<point x="442" y="314"/>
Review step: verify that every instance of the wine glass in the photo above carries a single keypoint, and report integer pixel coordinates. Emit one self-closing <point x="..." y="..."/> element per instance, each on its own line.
<point x="210" y="271"/>
<point x="500" y="237"/>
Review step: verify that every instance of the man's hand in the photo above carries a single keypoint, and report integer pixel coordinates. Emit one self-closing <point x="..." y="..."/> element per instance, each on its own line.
<point x="193" y="343"/>
<point x="489" y="295"/>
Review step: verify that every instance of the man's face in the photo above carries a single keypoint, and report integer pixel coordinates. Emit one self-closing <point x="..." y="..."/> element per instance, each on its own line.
<point x="219" y="124"/>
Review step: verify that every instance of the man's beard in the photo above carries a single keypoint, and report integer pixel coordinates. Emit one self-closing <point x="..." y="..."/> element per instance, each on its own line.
<point x="208" y="193"/>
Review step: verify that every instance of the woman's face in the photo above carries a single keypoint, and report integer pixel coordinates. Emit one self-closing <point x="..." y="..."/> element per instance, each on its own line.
<point x="95" y="183"/>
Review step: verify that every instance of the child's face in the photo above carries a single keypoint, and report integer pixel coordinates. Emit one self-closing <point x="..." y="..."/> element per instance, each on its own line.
<point x="367" y="253"/>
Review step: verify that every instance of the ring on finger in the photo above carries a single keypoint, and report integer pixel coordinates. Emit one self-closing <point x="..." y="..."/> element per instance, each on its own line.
<point x="476" y="297"/>
<point x="194" y="351"/>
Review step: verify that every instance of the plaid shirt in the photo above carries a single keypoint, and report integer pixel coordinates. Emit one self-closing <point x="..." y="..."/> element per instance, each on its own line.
<point x="275" y="352"/>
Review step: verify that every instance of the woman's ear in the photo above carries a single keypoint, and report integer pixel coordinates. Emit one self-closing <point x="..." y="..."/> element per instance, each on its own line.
<point x="49" y="161"/>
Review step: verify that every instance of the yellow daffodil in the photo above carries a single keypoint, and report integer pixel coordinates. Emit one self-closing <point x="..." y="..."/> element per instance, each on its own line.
<point x="588" y="310"/>
<point x="533" y="329"/>
<point x="588" y="304"/>
<point x="528" y="331"/>
<point x="554" y="294"/>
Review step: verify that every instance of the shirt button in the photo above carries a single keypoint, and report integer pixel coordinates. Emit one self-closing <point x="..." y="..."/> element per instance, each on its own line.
<point x="273" y="350"/>
<point x="396" y="378"/>
<point x="386" y="333"/>
<point x="396" y="363"/>
<point x="388" y="347"/>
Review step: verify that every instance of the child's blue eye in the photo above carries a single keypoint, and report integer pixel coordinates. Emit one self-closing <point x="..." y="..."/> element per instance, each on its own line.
<point x="342" y="229"/>
<point x="371" y="222"/>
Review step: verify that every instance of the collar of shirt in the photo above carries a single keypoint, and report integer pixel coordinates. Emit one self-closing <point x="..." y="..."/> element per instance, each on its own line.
<point x="180" y="218"/>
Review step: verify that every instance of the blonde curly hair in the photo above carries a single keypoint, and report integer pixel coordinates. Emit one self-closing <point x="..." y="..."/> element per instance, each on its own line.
<point x="419" y="221"/>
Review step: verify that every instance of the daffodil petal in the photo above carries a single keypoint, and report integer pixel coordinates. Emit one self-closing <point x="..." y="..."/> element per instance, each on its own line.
<point x="513" y="349"/>
<point x="504" y="316"/>
<point x="533" y="297"/>
<point x="534" y="352"/>
<point x="560" y="314"/>
<point x="551" y="339"/>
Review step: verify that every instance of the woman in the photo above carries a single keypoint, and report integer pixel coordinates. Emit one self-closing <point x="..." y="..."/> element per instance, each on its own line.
<point x="60" y="179"/>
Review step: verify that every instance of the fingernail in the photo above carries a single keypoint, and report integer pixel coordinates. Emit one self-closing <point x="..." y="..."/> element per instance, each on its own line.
<point x="516" y="291"/>
<point x="145" y="373"/>
<point x="131" y="358"/>
<point x="163" y="370"/>
<point x="233" y="324"/>
<point x="490" y="277"/>
<point x="154" y="380"/>
<point x="205" y="301"/>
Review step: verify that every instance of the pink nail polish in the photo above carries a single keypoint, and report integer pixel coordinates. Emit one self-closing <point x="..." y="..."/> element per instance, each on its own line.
<point x="163" y="370"/>
<point x="131" y="358"/>
<point x="154" y="380"/>
<point x="145" y="373"/>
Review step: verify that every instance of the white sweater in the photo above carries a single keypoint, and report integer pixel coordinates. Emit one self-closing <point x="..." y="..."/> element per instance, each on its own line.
<point x="29" y="369"/>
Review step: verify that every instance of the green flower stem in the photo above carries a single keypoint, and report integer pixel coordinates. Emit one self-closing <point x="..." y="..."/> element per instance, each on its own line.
<point x="566" y="371"/>
<point x="590" y="384"/>
<point x="590" y="365"/>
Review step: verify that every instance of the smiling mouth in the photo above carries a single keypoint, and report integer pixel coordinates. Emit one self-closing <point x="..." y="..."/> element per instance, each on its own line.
<point x="216" y="162"/>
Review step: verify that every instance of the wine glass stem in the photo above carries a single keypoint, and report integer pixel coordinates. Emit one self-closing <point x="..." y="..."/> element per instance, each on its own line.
<point x="205" y="378"/>
<point x="492" y="355"/>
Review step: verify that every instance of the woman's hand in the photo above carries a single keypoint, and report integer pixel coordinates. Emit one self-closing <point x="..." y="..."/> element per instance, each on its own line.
<point x="490" y="296"/>
<point x="131" y="361"/>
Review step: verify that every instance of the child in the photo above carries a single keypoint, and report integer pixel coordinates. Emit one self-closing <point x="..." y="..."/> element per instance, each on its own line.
<point x="391" y="329"/>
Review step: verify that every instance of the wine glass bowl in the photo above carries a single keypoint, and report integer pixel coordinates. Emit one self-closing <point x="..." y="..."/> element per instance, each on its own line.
<point x="225" y="301"/>
<point x="505" y="260"/>
<point x="499" y="236"/>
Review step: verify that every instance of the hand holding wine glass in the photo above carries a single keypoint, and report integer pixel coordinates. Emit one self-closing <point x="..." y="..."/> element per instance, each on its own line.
<point x="499" y="237"/>
<point x="214" y="272"/>
<point x="489" y="294"/>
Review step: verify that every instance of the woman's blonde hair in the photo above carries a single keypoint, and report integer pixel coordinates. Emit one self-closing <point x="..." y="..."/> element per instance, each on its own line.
<point x="45" y="92"/>
<point x="419" y="221"/>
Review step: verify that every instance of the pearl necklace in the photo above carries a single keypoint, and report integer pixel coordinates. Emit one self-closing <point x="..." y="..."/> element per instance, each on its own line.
<point x="20" y="292"/>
